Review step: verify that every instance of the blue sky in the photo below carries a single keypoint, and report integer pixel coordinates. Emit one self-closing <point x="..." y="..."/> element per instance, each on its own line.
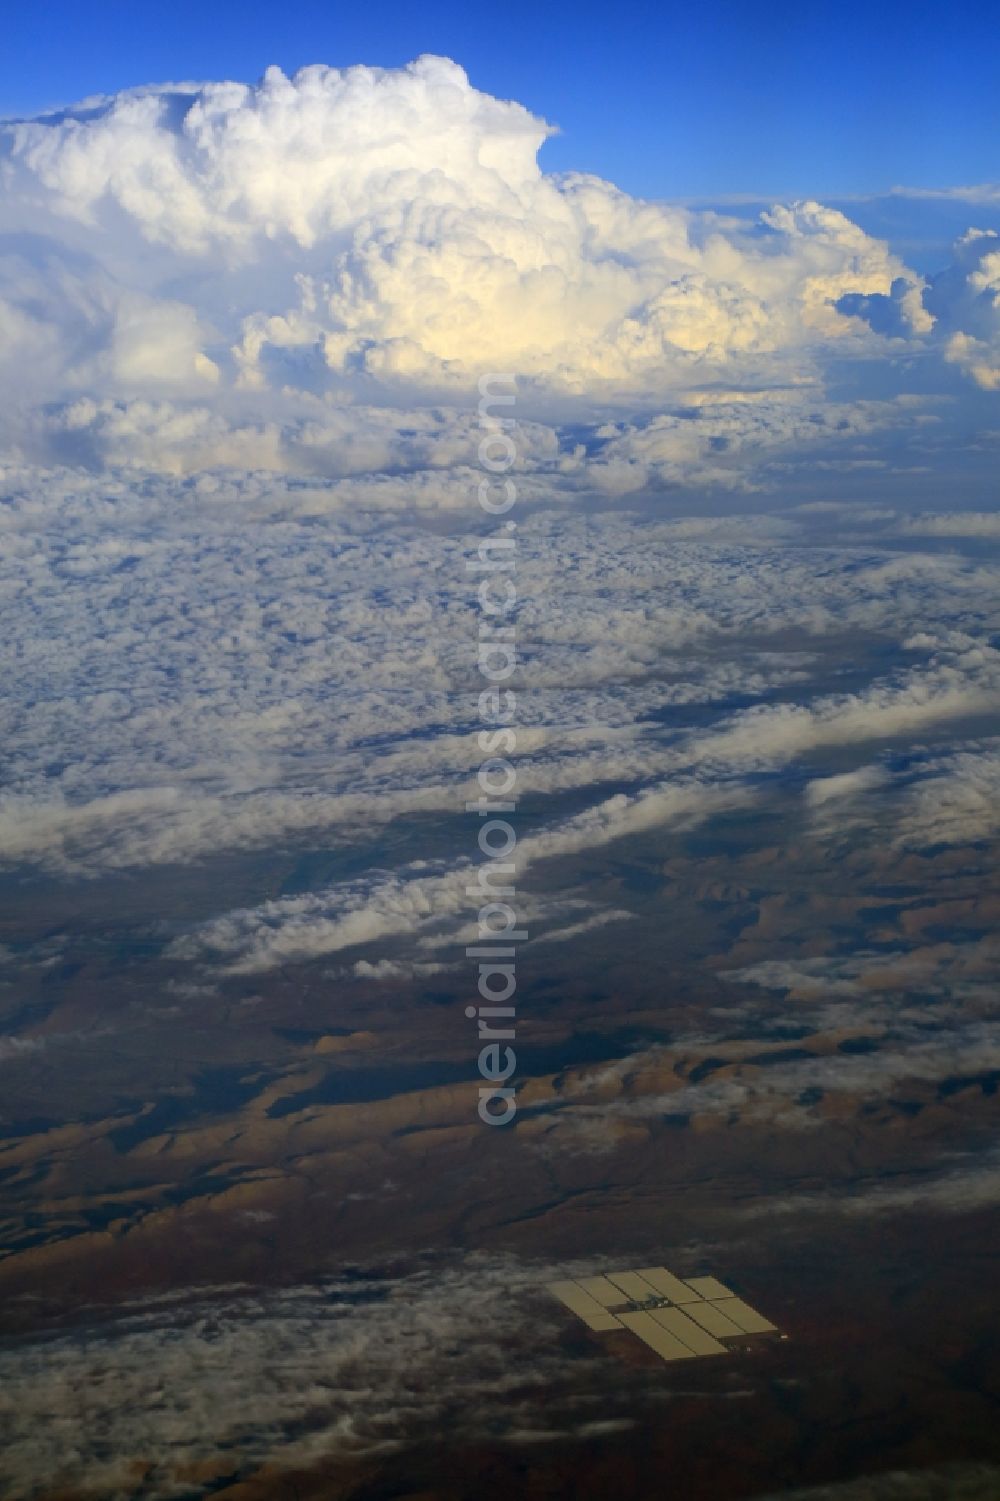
<point x="665" y="100"/>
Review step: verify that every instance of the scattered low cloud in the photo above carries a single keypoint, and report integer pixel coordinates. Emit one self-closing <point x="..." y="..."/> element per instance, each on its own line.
<point x="962" y="1482"/>
<point x="345" y="1368"/>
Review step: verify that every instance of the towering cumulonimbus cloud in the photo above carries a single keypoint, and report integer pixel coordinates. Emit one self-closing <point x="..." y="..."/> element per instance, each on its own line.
<point x="242" y="250"/>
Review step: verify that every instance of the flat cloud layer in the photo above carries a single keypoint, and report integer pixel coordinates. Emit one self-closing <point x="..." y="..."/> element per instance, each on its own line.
<point x="222" y="674"/>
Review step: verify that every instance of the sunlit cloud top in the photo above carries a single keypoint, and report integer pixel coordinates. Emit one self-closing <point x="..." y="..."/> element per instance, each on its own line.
<point x="201" y="274"/>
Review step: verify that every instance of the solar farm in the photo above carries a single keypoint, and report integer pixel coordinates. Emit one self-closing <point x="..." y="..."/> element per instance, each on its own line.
<point x="680" y="1320"/>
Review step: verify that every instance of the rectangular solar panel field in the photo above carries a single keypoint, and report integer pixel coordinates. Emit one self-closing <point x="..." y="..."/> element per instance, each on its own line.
<point x="666" y="1345"/>
<point x="711" y="1317"/>
<point x="708" y="1287"/>
<point x="633" y="1285"/>
<point x="667" y="1285"/>
<point x="584" y="1306"/>
<point x="603" y="1291"/>
<point x="748" y="1319"/>
<point x="676" y="1322"/>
